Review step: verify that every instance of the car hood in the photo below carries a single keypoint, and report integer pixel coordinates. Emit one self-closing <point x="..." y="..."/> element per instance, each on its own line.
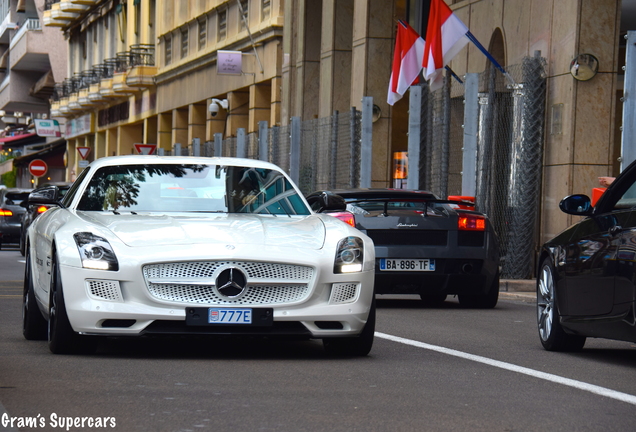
<point x="235" y="229"/>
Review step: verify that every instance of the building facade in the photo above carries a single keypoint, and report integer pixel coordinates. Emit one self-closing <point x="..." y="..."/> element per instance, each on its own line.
<point x="157" y="72"/>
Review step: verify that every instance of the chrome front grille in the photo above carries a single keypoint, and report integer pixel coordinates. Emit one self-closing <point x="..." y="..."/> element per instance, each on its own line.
<point x="194" y="282"/>
<point x="104" y="289"/>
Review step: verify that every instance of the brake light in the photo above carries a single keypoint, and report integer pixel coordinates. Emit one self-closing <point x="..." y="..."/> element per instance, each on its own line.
<point x="7" y="213"/>
<point x="346" y="217"/>
<point x="470" y="222"/>
<point x="42" y="209"/>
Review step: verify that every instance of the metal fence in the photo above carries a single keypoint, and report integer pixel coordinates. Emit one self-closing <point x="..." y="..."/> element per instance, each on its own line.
<point x="508" y="156"/>
<point x="318" y="154"/>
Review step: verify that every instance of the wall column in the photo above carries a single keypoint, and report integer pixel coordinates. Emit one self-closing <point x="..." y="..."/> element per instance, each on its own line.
<point x="373" y="39"/>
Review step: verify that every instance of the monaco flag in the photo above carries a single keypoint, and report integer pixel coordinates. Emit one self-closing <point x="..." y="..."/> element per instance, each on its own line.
<point x="407" y="61"/>
<point x="445" y="37"/>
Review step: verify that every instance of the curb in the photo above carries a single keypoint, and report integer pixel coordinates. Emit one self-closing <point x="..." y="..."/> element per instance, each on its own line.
<point x="517" y="285"/>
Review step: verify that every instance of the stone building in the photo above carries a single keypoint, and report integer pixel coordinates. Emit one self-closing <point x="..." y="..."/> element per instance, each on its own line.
<point x="147" y="71"/>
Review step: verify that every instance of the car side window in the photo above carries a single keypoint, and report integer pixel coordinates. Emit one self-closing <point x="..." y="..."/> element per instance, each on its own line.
<point x="68" y="196"/>
<point x="627" y="199"/>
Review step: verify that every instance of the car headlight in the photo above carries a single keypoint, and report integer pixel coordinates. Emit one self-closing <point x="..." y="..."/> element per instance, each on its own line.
<point x="349" y="255"/>
<point x="95" y="252"/>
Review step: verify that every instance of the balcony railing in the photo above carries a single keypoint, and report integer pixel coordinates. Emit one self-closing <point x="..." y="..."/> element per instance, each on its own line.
<point x="142" y="55"/>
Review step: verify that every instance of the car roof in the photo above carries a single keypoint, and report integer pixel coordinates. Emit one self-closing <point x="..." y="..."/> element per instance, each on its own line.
<point x="383" y="193"/>
<point x="176" y="160"/>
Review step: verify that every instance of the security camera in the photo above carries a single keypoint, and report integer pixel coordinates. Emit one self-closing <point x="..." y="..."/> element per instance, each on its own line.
<point x="216" y="105"/>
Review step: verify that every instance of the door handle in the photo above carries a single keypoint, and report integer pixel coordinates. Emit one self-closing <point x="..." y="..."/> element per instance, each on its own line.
<point x="615" y="229"/>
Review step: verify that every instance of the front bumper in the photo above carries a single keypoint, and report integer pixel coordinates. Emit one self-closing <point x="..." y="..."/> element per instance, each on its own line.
<point x="132" y="311"/>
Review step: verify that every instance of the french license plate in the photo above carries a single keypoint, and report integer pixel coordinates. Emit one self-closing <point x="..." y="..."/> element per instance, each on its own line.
<point x="407" y="264"/>
<point x="229" y="316"/>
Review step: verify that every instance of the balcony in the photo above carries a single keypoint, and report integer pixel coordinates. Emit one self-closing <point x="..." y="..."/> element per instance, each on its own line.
<point x="58" y="14"/>
<point x="69" y="6"/>
<point x="123" y="62"/>
<point x="55" y="109"/>
<point x="142" y="69"/>
<point x="29" y="48"/>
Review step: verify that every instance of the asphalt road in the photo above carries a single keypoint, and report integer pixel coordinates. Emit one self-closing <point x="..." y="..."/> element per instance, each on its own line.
<point x="437" y="369"/>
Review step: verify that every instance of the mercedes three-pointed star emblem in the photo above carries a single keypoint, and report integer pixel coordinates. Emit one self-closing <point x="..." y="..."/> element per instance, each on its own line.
<point x="231" y="282"/>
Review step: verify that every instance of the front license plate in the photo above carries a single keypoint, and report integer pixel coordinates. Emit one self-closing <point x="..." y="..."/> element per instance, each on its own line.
<point x="407" y="264"/>
<point x="229" y="316"/>
<point x="212" y="316"/>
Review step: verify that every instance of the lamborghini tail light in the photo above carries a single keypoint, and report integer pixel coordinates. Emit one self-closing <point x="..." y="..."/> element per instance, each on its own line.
<point x="346" y="217"/>
<point x="471" y="222"/>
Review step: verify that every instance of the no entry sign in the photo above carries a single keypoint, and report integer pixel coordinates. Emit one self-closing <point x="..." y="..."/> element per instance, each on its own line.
<point x="38" y="167"/>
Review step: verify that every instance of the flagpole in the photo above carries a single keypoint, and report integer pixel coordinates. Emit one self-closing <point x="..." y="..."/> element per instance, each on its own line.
<point x="454" y="75"/>
<point x="474" y="40"/>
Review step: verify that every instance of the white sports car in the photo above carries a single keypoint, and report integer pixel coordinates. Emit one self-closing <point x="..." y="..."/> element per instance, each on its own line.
<point x="147" y="245"/>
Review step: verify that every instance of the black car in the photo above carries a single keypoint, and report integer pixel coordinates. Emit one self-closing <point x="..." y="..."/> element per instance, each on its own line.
<point x="10" y="213"/>
<point x="33" y="211"/>
<point x="586" y="275"/>
<point x="423" y="245"/>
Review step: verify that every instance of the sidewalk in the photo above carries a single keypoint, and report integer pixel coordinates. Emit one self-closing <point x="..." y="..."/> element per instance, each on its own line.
<point x="521" y="289"/>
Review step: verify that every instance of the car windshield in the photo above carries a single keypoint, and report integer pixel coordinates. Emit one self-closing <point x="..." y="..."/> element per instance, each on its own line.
<point x="191" y="188"/>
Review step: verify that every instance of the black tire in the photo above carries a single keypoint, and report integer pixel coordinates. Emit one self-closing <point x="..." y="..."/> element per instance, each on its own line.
<point x="62" y="339"/>
<point x="433" y="299"/>
<point x="357" y="346"/>
<point x="487" y="301"/>
<point x="33" y="323"/>
<point x="22" y="247"/>
<point x="551" y="333"/>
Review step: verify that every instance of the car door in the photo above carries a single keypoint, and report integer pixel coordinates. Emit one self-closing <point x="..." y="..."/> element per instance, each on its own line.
<point x="591" y="266"/>
<point x="602" y="252"/>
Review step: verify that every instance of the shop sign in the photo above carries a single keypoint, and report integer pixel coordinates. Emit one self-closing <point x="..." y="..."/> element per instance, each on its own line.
<point x="47" y="128"/>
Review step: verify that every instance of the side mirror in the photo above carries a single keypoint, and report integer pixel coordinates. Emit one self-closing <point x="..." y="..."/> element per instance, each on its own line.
<point x="46" y="195"/>
<point x="326" y="201"/>
<point x="578" y="205"/>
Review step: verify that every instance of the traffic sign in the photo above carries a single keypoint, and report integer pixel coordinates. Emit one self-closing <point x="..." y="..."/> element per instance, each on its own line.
<point x="84" y="151"/>
<point x="145" y="149"/>
<point x="38" y="168"/>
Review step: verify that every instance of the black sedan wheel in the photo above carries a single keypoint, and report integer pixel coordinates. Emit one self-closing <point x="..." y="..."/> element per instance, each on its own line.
<point x="357" y="346"/>
<point x="33" y="323"/>
<point x="62" y="338"/>
<point x="552" y="335"/>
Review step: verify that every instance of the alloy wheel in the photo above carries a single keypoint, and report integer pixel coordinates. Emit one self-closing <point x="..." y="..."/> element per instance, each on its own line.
<point x="545" y="302"/>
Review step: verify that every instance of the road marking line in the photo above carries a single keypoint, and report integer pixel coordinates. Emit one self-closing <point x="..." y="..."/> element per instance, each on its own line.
<point x="623" y="397"/>
<point x="10" y="295"/>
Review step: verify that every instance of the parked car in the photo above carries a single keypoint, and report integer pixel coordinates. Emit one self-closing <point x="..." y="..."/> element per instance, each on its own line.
<point x="146" y="245"/>
<point x="424" y="245"/>
<point x="33" y="211"/>
<point x="10" y="213"/>
<point x="585" y="278"/>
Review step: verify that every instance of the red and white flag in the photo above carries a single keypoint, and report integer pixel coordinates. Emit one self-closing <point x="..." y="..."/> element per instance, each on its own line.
<point x="407" y="61"/>
<point x="445" y="37"/>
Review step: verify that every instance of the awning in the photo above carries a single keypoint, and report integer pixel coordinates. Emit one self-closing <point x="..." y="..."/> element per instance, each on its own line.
<point x="16" y="137"/>
<point x="50" y="147"/>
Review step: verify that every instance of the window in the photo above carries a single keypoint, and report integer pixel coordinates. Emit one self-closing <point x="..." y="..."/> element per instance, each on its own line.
<point x="266" y="10"/>
<point x="184" y="42"/>
<point x="244" y="5"/>
<point x="168" y="50"/>
<point x="222" y="27"/>
<point x="203" y="32"/>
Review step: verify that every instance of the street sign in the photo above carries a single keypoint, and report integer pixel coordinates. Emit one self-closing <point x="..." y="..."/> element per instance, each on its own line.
<point x="38" y="168"/>
<point x="84" y="151"/>
<point x="145" y="149"/>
